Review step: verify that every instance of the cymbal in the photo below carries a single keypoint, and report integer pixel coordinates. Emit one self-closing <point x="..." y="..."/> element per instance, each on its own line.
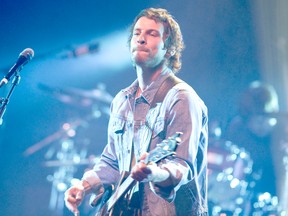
<point x="58" y="163"/>
<point x="94" y="94"/>
<point x="77" y="96"/>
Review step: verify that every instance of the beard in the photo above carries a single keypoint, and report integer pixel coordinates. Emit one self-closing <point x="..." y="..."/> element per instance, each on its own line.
<point x="144" y="59"/>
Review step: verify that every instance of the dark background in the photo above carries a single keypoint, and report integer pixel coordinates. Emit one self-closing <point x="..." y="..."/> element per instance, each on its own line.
<point x="219" y="61"/>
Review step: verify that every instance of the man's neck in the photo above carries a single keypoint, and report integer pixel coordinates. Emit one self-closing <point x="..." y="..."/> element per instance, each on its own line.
<point x="146" y="76"/>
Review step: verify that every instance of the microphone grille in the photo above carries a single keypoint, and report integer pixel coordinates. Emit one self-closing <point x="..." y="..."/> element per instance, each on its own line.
<point x="27" y="53"/>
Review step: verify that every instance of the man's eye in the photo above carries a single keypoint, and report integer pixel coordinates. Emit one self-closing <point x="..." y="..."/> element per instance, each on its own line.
<point x="136" y="33"/>
<point x="154" y="34"/>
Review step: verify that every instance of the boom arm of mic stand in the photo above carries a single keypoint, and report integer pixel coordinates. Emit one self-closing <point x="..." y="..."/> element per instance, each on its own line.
<point x="5" y="101"/>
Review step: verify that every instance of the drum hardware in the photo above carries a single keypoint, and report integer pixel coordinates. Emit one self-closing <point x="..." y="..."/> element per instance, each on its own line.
<point x="218" y="211"/>
<point x="267" y="205"/>
<point x="62" y="176"/>
<point x="67" y="161"/>
<point x="64" y="156"/>
<point x="228" y="170"/>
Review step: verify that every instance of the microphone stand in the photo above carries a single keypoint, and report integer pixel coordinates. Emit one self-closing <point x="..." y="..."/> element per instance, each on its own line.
<point x="4" y="101"/>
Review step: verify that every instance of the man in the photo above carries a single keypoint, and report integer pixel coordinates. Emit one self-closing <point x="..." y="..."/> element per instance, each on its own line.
<point x="254" y="129"/>
<point x="145" y="114"/>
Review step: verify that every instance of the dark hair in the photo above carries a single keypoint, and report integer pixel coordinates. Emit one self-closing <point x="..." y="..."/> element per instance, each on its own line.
<point x="174" y="40"/>
<point x="258" y="98"/>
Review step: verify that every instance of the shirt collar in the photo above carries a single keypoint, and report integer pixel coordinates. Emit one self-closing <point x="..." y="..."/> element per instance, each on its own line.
<point x="149" y="93"/>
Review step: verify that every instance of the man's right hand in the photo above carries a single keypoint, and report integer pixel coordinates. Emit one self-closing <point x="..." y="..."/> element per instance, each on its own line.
<point x="74" y="196"/>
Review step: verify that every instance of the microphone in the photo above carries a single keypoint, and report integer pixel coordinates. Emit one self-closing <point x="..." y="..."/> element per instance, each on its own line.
<point x="22" y="60"/>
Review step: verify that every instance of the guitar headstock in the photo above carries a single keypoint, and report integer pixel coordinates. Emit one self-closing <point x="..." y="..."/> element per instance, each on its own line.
<point x="165" y="148"/>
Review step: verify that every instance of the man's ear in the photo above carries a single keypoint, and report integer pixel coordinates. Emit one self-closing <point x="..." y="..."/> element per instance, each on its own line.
<point x="170" y="52"/>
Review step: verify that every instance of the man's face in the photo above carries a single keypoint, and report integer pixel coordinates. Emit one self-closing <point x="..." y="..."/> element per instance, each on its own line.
<point x="147" y="43"/>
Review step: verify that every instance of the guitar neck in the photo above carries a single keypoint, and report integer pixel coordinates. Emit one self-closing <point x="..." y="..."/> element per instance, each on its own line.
<point x="122" y="189"/>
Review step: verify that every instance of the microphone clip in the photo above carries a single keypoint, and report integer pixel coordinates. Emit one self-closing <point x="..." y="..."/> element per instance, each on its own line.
<point x="4" y="101"/>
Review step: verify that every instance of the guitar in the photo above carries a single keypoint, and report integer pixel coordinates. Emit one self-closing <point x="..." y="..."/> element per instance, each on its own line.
<point x="107" y="204"/>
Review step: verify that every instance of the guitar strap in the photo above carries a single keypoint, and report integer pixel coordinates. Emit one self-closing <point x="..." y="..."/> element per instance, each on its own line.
<point x="161" y="93"/>
<point x="168" y="83"/>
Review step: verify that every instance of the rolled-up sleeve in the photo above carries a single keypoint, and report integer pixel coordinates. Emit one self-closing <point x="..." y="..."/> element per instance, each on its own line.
<point x="185" y="113"/>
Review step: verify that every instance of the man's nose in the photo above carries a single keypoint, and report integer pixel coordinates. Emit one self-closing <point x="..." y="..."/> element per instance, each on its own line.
<point x="141" y="40"/>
